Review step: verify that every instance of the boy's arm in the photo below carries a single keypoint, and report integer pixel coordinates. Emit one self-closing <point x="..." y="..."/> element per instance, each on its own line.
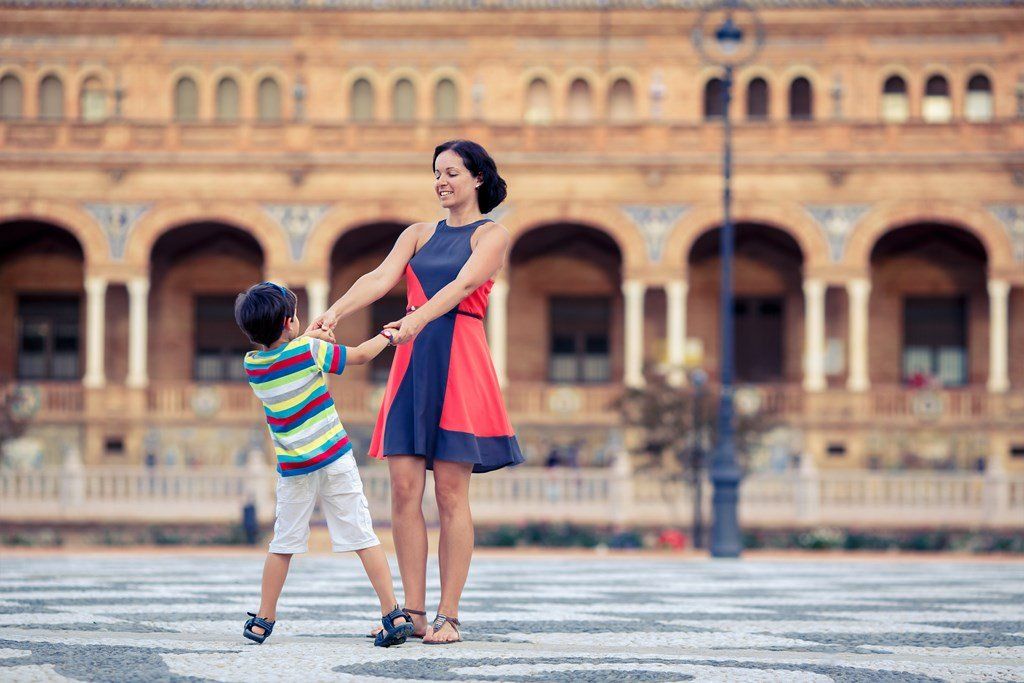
<point x="369" y="349"/>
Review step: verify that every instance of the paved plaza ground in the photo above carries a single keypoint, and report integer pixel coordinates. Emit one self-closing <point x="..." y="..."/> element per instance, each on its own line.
<point x="178" y="616"/>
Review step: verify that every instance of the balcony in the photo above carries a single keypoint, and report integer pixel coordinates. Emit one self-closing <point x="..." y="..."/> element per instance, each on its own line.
<point x="537" y="403"/>
<point x="322" y="140"/>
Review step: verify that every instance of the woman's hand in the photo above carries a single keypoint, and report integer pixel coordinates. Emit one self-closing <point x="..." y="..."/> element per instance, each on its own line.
<point x="326" y="321"/>
<point x="406" y="329"/>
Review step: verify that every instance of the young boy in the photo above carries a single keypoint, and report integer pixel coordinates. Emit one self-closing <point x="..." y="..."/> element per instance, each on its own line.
<point x="314" y="456"/>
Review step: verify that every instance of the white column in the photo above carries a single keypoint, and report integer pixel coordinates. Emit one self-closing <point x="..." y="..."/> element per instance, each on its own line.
<point x="138" y="326"/>
<point x="497" y="329"/>
<point x="95" y="318"/>
<point x="998" y="335"/>
<point x="675" y="298"/>
<point x="634" y="290"/>
<point x="316" y="297"/>
<point x="858" y="293"/>
<point x="814" y="335"/>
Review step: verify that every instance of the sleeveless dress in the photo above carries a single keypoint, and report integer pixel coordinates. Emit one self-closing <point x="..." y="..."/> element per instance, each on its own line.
<point x="442" y="400"/>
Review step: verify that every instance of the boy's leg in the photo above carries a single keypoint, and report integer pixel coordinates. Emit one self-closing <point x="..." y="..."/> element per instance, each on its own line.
<point x="375" y="562"/>
<point x="275" y="569"/>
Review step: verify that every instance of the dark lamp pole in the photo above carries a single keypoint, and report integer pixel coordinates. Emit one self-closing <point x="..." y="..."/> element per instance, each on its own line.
<point x="728" y="50"/>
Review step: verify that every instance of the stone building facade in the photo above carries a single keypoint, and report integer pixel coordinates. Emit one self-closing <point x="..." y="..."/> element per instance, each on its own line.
<point x="158" y="157"/>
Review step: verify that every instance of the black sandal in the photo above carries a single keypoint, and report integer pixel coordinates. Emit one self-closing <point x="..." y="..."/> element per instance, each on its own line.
<point x="267" y="626"/>
<point x="409" y="613"/>
<point x="394" y="634"/>
<point x="439" y="621"/>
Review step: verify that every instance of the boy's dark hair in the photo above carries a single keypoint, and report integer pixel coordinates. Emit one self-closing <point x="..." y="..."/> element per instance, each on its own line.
<point x="492" y="188"/>
<point x="261" y="311"/>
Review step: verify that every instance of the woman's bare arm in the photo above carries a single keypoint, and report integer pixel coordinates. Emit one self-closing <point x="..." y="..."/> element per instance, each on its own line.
<point x="487" y="259"/>
<point x="375" y="284"/>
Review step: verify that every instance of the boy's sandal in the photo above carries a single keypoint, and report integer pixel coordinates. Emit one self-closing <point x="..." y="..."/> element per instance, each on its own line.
<point x="408" y="613"/>
<point x="267" y="626"/>
<point x="394" y="634"/>
<point x="439" y="621"/>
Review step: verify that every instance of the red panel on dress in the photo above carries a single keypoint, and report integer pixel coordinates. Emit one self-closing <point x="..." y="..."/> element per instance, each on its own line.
<point x="472" y="398"/>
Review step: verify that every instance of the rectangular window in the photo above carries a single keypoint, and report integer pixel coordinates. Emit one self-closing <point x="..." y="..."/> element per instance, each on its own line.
<point x="220" y="345"/>
<point x="759" y="334"/>
<point x="579" y="343"/>
<point x="935" y="340"/>
<point x="48" y="347"/>
<point x="384" y="311"/>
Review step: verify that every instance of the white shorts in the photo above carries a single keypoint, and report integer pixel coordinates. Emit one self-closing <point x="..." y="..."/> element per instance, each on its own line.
<point x="340" y="492"/>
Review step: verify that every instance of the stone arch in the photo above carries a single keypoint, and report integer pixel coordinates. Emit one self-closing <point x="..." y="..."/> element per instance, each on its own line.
<point x="93" y="241"/>
<point x="344" y="219"/>
<point x="789" y="218"/>
<point x="973" y="219"/>
<point x="247" y="217"/>
<point x="606" y="219"/>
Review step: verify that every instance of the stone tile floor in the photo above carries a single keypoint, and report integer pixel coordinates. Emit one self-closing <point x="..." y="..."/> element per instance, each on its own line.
<point x="178" y="616"/>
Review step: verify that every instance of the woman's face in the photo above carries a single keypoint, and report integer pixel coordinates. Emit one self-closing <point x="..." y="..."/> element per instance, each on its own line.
<point x="454" y="184"/>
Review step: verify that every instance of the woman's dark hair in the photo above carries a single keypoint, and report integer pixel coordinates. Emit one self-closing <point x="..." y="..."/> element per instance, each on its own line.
<point x="261" y="311"/>
<point x="492" y="190"/>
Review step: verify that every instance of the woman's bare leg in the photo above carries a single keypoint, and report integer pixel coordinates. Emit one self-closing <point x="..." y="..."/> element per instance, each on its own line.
<point x="455" y="549"/>
<point x="408" y="477"/>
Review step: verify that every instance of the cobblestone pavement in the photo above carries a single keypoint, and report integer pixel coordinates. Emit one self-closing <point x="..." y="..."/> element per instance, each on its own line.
<point x="179" y="617"/>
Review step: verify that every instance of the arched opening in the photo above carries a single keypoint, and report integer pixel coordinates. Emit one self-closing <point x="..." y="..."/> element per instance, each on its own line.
<point x="446" y="101"/>
<point x="227" y="100"/>
<point x="929" y="288"/>
<point x="93" y="100"/>
<point x="11" y="94"/>
<point x="714" y="91"/>
<point x="268" y="100"/>
<point x="355" y="253"/>
<point x="186" y="100"/>
<point x="42" y="303"/>
<point x="757" y="99"/>
<point x="51" y="98"/>
<point x="978" y="105"/>
<point x="565" y="329"/>
<point x="361" y="101"/>
<point x="581" y="107"/>
<point x="621" y="102"/>
<point x="196" y="271"/>
<point x="538" y="102"/>
<point x="895" y="103"/>
<point x="937" y="107"/>
<point x="801" y="100"/>
<point x="768" y="308"/>
<point x="404" y="102"/>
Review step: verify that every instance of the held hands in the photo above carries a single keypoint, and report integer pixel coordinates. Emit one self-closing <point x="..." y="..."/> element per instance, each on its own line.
<point x="406" y="329"/>
<point x="326" y="321"/>
<point x="326" y="335"/>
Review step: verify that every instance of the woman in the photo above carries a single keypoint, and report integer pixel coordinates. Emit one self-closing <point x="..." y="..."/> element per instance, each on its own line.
<point x="442" y="407"/>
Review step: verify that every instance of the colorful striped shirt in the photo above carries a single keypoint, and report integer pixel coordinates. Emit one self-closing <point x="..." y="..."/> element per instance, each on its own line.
<point x="303" y="421"/>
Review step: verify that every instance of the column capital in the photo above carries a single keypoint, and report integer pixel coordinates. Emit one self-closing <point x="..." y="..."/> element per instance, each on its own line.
<point x="814" y="286"/>
<point x="634" y="287"/>
<point x="998" y="288"/>
<point x="858" y="285"/>
<point x="96" y="284"/>
<point x="138" y="285"/>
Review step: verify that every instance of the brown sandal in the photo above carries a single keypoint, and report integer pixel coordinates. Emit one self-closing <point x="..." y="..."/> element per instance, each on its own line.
<point x="439" y="621"/>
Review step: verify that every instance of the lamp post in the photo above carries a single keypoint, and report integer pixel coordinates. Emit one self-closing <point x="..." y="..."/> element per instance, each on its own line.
<point x="735" y="40"/>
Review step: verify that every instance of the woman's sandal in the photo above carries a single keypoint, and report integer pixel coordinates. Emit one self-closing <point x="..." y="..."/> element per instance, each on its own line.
<point x="394" y="634"/>
<point x="267" y="626"/>
<point x="409" y="613"/>
<point x="439" y="621"/>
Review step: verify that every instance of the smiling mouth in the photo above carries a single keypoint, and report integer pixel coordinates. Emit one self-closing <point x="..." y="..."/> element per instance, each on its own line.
<point x="444" y="193"/>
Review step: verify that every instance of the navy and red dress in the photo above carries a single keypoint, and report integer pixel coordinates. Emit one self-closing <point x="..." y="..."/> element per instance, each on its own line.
<point x="442" y="399"/>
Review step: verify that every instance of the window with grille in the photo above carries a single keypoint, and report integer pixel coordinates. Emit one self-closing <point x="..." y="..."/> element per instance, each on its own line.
<point x="48" y="344"/>
<point x="580" y="339"/>
<point x="219" y="345"/>
<point x="935" y="340"/>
